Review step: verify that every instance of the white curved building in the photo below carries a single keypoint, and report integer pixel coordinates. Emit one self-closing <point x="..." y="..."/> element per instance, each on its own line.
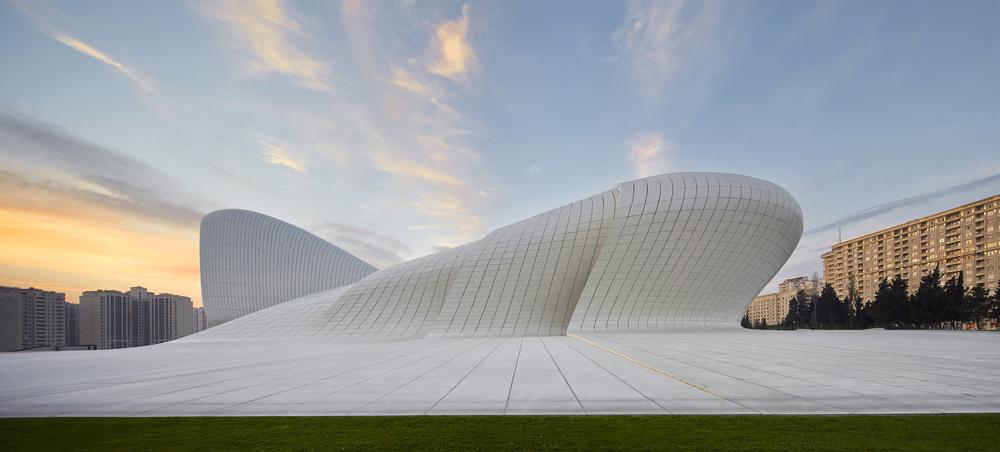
<point x="626" y="302"/>
<point x="665" y="252"/>
<point x="251" y="261"/>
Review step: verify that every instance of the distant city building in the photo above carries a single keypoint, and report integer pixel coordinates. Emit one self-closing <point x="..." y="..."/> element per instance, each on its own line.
<point x="112" y="319"/>
<point x="773" y="307"/>
<point x="963" y="239"/>
<point x="31" y="318"/>
<point x="107" y="319"/>
<point x="72" y="323"/>
<point x="170" y="317"/>
<point x="200" y="320"/>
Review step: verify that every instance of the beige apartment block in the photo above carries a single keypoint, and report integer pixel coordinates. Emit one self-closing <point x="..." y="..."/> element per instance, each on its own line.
<point x="773" y="307"/>
<point x="963" y="239"/>
<point x="31" y="318"/>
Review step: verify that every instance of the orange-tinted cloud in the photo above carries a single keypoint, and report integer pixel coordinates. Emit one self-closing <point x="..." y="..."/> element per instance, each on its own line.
<point x="69" y="253"/>
<point x="75" y="216"/>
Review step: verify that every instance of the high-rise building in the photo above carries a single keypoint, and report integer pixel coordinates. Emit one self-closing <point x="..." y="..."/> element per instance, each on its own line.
<point x="963" y="239"/>
<point x="200" y="320"/>
<point x="169" y="317"/>
<point x="107" y="319"/>
<point x="72" y="323"/>
<point x="113" y="319"/>
<point x="31" y="318"/>
<point x="773" y="307"/>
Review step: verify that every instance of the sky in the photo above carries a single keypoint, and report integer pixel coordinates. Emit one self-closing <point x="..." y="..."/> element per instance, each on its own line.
<point x="395" y="129"/>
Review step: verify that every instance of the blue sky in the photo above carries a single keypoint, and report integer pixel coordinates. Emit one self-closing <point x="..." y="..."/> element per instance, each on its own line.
<point x="396" y="128"/>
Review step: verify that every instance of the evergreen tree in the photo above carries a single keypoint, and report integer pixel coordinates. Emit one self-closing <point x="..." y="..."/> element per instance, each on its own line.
<point x="864" y="317"/>
<point x="803" y="313"/>
<point x="745" y="323"/>
<point x="977" y="305"/>
<point x="900" y="306"/>
<point x="995" y="308"/>
<point x="927" y="301"/>
<point x="953" y="310"/>
<point x="791" y="317"/>
<point x="881" y="308"/>
<point x="827" y="307"/>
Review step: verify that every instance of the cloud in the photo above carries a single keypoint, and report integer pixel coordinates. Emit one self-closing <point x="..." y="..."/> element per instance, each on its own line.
<point x="40" y="13"/>
<point x="659" y="37"/>
<point x="278" y="155"/>
<point x="40" y="158"/>
<point x="889" y="207"/>
<point x="404" y="80"/>
<point x="414" y="170"/>
<point x="261" y="33"/>
<point x="531" y="170"/>
<point x="143" y="82"/>
<point x="380" y="250"/>
<point x="648" y="154"/>
<point x="452" y="55"/>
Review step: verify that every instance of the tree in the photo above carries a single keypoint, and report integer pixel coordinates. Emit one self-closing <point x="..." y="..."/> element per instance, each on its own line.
<point x="791" y="317"/>
<point x="952" y="310"/>
<point x="995" y="308"/>
<point x="899" y="306"/>
<point x="803" y="309"/>
<point x="977" y="305"/>
<point x="881" y="308"/>
<point x="927" y="301"/>
<point x="745" y="323"/>
<point x="862" y="314"/>
<point x="827" y="307"/>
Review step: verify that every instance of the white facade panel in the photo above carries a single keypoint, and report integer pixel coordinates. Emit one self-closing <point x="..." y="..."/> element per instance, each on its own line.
<point x="682" y="250"/>
<point x="251" y="261"/>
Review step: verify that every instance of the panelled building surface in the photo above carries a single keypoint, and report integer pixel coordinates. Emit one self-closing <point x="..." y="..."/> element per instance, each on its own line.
<point x="646" y="255"/>
<point x="628" y="301"/>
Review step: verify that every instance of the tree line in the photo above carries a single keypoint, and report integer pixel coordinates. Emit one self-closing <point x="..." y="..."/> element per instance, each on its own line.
<point x="932" y="306"/>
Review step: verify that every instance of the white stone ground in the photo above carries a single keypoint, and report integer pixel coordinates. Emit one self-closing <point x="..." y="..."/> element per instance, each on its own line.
<point x="718" y="372"/>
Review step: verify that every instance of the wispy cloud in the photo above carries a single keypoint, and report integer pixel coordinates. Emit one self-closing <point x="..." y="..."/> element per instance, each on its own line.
<point x="277" y="154"/>
<point x="893" y="206"/>
<point x="50" y="160"/>
<point x="40" y="13"/>
<point x="658" y="37"/>
<point x="261" y="33"/>
<point x="648" y="153"/>
<point x="531" y="170"/>
<point x="380" y="250"/>
<point x="414" y="170"/>
<point x="143" y="82"/>
<point x="75" y="215"/>
<point x="452" y="55"/>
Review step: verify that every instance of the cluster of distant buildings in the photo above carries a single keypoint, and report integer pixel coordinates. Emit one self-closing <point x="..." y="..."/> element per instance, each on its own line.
<point x="33" y="319"/>
<point x="964" y="239"/>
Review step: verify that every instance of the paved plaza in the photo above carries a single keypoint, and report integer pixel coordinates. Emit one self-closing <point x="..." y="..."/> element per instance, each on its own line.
<point x="686" y="372"/>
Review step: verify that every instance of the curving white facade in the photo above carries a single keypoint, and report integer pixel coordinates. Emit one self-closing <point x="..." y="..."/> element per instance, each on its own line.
<point x="683" y="250"/>
<point x="625" y="302"/>
<point x="251" y="261"/>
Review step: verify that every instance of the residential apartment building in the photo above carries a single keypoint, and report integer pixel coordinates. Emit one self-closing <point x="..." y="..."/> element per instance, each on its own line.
<point x="72" y="324"/>
<point x="107" y="319"/>
<point x="114" y="319"/>
<point x="773" y="307"/>
<point x="31" y="318"/>
<point x="200" y="320"/>
<point x="963" y="239"/>
<point x="169" y="317"/>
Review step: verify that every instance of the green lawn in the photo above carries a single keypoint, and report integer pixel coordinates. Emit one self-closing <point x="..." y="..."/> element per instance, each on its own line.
<point x="917" y="432"/>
